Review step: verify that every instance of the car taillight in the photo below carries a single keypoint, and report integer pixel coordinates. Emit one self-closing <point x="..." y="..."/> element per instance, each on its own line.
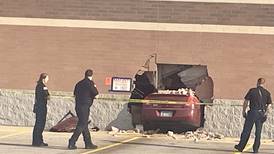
<point x="191" y="102"/>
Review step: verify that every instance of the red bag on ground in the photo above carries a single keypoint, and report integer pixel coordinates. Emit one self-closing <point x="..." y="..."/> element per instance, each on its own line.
<point x="66" y="124"/>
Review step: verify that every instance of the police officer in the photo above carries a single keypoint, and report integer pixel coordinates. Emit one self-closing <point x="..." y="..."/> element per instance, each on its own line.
<point x="259" y="103"/>
<point x="143" y="87"/>
<point x="40" y="109"/>
<point x="84" y="92"/>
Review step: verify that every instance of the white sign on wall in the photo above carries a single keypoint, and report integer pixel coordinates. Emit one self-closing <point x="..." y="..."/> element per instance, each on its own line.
<point x="121" y="84"/>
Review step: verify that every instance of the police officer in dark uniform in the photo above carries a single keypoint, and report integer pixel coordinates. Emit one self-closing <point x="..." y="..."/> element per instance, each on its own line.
<point x="143" y="87"/>
<point x="84" y="92"/>
<point x="259" y="103"/>
<point x="40" y="109"/>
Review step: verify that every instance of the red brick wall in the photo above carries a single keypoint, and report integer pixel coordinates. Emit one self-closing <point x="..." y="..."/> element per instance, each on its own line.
<point x="234" y="61"/>
<point x="141" y="10"/>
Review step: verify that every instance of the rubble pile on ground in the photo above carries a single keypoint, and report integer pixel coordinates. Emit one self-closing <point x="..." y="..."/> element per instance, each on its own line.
<point x="197" y="135"/>
<point x="202" y="135"/>
<point x="115" y="131"/>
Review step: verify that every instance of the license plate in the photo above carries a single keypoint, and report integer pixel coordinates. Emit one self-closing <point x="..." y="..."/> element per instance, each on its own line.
<point x="166" y="113"/>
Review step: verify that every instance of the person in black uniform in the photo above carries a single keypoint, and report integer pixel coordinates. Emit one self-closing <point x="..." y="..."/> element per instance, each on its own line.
<point x="84" y="92"/>
<point x="259" y="103"/>
<point x="143" y="87"/>
<point x="40" y="109"/>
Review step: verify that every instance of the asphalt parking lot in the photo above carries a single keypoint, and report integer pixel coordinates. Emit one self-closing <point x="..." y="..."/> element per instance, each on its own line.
<point x="17" y="140"/>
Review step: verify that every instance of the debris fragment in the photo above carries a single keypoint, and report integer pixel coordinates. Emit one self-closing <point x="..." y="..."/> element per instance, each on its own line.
<point x="114" y="129"/>
<point x="170" y="133"/>
<point x="95" y="129"/>
<point x="130" y="131"/>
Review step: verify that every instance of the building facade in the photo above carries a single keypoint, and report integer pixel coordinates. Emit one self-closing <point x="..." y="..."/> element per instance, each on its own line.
<point x="234" y="39"/>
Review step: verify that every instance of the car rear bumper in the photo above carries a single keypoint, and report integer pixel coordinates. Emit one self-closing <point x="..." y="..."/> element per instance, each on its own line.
<point x="180" y="116"/>
<point x="182" y="124"/>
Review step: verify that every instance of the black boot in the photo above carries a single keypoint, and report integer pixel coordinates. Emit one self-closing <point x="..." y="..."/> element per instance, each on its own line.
<point x="40" y="144"/>
<point x="238" y="148"/>
<point x="44" y="144"/>
<point x="91" y="146"/>
<point x="71" y="145"/>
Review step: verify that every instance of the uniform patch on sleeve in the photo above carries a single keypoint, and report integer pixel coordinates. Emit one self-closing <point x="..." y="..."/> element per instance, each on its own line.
<point x="45" y="88"/>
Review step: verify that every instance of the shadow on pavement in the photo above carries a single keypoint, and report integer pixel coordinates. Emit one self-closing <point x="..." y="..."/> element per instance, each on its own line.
<point x="28" y="145"/>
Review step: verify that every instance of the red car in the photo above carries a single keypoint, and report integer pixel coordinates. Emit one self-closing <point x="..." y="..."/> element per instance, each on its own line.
<point x="173" y="78"/>
<point x="180" y="111"/>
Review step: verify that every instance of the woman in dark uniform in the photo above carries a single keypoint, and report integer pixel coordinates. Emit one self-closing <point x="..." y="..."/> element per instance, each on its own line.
<point x="40" y="110"/>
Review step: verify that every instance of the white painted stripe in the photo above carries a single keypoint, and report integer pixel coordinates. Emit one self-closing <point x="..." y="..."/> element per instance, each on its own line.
<point x="225" y="1"/>
<point x="150" y="26"/>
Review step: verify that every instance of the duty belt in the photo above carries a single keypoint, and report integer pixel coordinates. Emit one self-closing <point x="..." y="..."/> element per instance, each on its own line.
<point x="260" y="110"/>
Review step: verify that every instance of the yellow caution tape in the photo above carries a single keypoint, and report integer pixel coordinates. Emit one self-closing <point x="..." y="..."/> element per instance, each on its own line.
<point x="146" y="101"/>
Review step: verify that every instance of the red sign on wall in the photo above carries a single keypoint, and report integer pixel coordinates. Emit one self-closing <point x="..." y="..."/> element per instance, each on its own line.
<point x="108" y="81"/>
